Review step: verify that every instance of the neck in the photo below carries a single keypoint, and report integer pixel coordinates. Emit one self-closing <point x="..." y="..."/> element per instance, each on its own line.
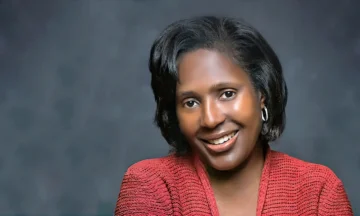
<point x="245" y="177"/>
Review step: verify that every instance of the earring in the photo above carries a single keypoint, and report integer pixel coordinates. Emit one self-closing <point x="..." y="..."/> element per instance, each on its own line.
<point x="266" y="117"/>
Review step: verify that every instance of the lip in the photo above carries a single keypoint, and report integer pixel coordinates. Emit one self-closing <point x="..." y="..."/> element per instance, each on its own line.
<point x="222" y="147"/>
<point x="218" y="135"/>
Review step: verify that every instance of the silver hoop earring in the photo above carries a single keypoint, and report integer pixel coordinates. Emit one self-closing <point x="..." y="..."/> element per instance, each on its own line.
<point x="266" y="117"/>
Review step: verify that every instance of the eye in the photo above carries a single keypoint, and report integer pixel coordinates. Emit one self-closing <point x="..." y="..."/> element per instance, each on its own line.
<point x="190" y="104"/>
<point x="228" y="95"/>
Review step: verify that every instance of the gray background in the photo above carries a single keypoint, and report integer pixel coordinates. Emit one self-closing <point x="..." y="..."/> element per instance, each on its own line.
<point x="76" y="108"/>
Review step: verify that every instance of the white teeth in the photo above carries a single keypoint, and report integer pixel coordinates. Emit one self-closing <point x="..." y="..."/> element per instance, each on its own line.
<point x="222" y="139"/>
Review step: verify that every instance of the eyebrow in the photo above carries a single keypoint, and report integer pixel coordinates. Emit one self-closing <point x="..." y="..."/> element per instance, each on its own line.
<point x="187" y="94"/>
<point x="214" y="87"/>
<point x="223" y="85"/>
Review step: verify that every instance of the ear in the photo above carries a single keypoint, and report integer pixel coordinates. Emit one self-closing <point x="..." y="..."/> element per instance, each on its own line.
<point x="262" y="100"/>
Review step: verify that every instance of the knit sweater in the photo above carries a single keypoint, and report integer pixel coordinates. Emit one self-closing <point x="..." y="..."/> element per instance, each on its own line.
<point x="175" y="185"/>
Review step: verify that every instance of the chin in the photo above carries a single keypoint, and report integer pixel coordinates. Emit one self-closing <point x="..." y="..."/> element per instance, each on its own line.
<point x="225" y="163"/>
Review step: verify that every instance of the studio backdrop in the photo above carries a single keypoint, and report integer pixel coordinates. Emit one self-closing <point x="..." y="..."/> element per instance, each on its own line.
<point x="76" y="107"/>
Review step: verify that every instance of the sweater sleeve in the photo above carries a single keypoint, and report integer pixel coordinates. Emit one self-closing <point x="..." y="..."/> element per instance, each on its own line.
<point x="142" y="193"/>
<point x="334" y="200"/>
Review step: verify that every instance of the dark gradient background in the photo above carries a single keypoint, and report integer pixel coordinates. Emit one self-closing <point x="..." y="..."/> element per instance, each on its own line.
<point x="76" y="108"/>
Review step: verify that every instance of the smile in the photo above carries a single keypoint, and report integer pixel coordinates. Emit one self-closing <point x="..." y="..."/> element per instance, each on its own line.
<point x="223" y="143"/>
<point x="222" y="139"/>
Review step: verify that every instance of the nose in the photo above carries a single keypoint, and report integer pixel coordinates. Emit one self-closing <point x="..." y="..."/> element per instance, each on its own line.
<point x="212" y="115"/>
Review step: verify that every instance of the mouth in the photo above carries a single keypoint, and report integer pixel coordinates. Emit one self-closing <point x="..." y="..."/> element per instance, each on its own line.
<point x="222" y="139"/>
<point x="222" y="144"/>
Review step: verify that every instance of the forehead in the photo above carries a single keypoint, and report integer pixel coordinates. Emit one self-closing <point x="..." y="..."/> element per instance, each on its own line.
<point x="208" y="67"/>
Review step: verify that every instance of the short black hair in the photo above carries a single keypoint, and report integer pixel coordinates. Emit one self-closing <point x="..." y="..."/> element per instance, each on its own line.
<point x="231" y="36"/>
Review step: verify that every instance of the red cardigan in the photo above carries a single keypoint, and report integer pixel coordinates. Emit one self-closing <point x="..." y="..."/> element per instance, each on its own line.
<point x="179" y="186"/>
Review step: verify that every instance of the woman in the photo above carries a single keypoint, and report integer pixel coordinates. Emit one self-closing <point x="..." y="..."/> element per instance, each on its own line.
<point x="221" y="99"/>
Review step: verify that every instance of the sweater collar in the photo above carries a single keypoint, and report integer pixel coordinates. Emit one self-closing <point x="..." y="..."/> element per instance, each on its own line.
<point x="201" y="171"/>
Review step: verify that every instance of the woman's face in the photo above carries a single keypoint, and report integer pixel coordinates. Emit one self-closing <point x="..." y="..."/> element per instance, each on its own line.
<point x="218" y="109"/>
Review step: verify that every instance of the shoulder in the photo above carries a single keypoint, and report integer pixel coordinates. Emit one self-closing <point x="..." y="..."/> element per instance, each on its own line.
<point x="144" y="188"/>
<point x="314" y="185"/>
<point x="159" y="167"/>
<point x="287" y="165"/>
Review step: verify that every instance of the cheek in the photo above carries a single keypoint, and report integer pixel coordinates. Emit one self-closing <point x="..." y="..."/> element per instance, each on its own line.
<point x="247" y="107"/>
<point x="187" y="123"/>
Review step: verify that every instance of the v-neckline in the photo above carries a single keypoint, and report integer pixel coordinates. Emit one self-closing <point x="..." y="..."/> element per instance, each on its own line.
<point x="200" y="169"/>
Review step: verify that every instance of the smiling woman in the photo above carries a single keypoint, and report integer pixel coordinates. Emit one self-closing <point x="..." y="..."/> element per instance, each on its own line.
<point x="221" y="99"/>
